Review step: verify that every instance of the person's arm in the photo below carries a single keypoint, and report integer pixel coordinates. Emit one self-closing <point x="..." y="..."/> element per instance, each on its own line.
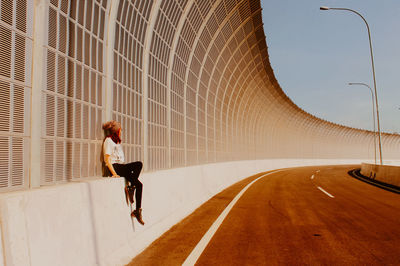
<point x="107" y="161"/>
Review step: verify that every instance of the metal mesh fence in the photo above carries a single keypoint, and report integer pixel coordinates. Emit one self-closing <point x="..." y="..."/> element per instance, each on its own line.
<point x="189" y="80"/>
<point x="73" y="96"/>
<point x="15" y="90"/>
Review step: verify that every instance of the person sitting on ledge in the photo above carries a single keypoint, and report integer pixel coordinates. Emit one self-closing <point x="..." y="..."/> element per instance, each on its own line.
<point x="115" y="161"/>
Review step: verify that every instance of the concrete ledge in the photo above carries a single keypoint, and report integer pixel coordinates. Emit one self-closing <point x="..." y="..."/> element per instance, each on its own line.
<point x="388" y="174"/>
<point x="88" y="222"/>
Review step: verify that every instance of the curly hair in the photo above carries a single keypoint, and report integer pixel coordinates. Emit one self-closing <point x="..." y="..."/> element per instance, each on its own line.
<point x="111" y="129"/>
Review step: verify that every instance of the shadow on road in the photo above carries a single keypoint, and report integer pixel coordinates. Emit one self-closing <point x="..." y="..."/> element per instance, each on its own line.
<point x="356" y="173"/>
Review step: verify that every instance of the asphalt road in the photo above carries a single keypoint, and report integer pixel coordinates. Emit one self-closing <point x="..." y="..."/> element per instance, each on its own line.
<point x="298" y="216"/>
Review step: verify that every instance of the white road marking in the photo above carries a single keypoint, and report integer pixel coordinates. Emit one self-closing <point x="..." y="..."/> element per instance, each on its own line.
<point x="198" y="250"/>
<point x="320" y="188"/>
<point x="318" y="171"/>
<point x="312" y="177"/>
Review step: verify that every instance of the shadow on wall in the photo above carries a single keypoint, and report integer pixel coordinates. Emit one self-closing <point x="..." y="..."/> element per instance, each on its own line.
<point x="92" y="221"/>
<point x="104" y="169"/>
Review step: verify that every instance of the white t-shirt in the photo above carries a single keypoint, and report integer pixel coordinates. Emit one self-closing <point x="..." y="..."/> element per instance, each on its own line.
<point x="114" y="150"/>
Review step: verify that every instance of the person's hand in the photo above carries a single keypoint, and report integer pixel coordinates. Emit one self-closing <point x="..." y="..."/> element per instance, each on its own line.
<point x="115" y="176"/>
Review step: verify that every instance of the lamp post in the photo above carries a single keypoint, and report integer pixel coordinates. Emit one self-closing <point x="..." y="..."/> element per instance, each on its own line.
<point x="373" y="71"/>
<point x="373" y="111"/>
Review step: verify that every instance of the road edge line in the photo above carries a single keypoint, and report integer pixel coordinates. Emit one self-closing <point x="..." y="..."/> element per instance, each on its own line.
<point x="199" y="248"/>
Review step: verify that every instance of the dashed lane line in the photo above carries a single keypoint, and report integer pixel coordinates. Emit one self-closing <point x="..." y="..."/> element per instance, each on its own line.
<point x="312" y="177"/>
<point x="198" y="250"/>
<point x="320" y="188"/>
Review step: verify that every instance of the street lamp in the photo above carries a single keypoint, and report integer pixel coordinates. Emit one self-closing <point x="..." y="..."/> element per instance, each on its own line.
<point x="373" y="71"/>
<point x="373" y="111"/>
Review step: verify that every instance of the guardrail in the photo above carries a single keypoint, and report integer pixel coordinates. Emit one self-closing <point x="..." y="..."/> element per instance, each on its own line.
<point x="388" y="174"/>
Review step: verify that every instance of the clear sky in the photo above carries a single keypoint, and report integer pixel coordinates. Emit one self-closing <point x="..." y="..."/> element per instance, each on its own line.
<point x="315" y="54"/>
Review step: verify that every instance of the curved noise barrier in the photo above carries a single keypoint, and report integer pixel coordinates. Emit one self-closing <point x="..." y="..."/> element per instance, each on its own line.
<point x="190" y="81"/>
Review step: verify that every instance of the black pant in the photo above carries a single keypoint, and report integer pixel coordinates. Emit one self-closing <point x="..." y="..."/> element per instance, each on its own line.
<point x="131" y="173"/>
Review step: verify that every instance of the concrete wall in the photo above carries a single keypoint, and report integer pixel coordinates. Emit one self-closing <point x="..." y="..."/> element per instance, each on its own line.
<point x="388" y="174"/>
<point x="88" y="222"/>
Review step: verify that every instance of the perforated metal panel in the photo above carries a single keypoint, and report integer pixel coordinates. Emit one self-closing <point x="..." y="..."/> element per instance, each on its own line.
<point x="73" y="98"/>
<point x="130" y="31"/>
<point x="190" y="82"/>
<point x="15" y="89"/>
<point x="158" y="90"/>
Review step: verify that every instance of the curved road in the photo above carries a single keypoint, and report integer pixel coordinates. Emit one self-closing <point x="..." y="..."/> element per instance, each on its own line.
<point x="310" y="215"/>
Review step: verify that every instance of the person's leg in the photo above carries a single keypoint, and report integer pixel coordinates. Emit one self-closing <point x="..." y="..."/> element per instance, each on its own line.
<point x="135" y="169"/>
<point x="123" y="170"/>
<point x="132" y="174"/>
<point x="138" y="195"/>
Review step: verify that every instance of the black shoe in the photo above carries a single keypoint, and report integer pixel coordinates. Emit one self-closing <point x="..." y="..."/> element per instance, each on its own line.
<point x="138" y="215"/>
